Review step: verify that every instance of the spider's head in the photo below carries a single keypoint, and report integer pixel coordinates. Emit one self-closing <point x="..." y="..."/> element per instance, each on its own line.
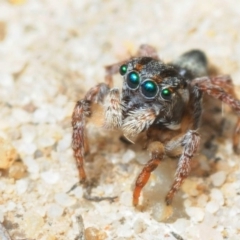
<point x="152" y="93"/>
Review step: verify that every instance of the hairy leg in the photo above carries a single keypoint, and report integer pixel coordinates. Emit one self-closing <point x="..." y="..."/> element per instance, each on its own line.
<point x="191" y="143"/>
<point x="157" y="153"/>
<point x="81" y="111"/>
<point x="221" y="87"/>
<point x="227" y="84"/>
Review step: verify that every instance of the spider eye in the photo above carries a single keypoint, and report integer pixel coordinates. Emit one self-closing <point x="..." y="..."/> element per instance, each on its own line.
<point x="133" y="80"/>
<point x="123" y="69"/>
<point x="166" y="94"/>
<point x="149" y="89"/>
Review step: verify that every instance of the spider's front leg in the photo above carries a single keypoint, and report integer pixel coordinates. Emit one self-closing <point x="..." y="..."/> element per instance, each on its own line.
<point x="81" y="111"/>
<point x="221" y="87"/>
<point x="190" y="142"/>
<point x="113" y="119"/>
<point x="157" y="153"/>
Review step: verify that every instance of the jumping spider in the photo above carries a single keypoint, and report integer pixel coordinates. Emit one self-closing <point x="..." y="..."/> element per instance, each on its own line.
<point x="161" y="100"/>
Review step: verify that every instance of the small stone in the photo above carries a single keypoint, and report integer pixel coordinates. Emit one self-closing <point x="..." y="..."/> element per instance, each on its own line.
<point x="196" y="213"/>
<point x="218" y="178"/>
<point x="10" y="206"/>
<point x="40" y="116"/>
<point x="7" y="80"/>
<point x="45" y="141"/>
<point x="161" y="212"/>
<point x="139" y="226"/>
<point x="1" y="216"/>
<point x="17" y="170"/>
<point x="212" y="206"/>
<point x="128" y="156"/>
<point x="8" y="154"/>
<point x="64" y="200"/>
<point x="64" y="143"/>
<point x="78" y="192"/>
<point x="92" y="233"/>
<point x="28" y="133"/>
<point x="50" y="177"/>
<point x="21" y="186"/>
<point x="190" y="187"/>
<point x="54" y="211"/>
<point x="32" y="224"/>
<point x="202" y="200"/>
<point x="217" y="196"/>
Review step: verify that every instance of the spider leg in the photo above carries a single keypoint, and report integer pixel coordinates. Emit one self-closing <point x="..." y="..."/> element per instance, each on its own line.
<point x="81" y="111"/>
<point x="221" y="87"/>
<point x="146" y="50"/>
<point x="227" y="84"/>
<point x="157" y="153"/>
<point x="191" y="143"/>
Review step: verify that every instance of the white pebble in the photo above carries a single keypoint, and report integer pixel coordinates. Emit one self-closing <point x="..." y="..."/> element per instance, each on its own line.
<point x="139" y="226"/>
<point x="1" y="216"/>
<point x="126" y="199"/>
<point x="28" y="133"/>
<point x="45" y="141"/>
<point x="21" y="186"/>
<point x="40" y="116"/>
<point x="27" y="148"/>
<point x="212" y="206"/>
<point x="20" y="116"/>
<point x="78" y="192"/>
<point x="217" y="196"/>
<point x="50" y="177"/>
<point x="6" y="80"/>
<point x="32" y="165"/>
<point x="196" y="214"/>
<point x="128" y="156"/>
<point x="64" y="200"/>
<point x="218" y="178"/>
<point x="54" y="211"/>
<point x="64" y="143"/>
<point x="180" y="225"/>
<point x="202" y="200"/>
<point x="10" y="206"/>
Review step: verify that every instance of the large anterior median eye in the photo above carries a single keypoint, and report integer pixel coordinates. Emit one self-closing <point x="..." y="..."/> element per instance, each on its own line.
<point x="133" y="80"/>
<point x="149" y="89"/>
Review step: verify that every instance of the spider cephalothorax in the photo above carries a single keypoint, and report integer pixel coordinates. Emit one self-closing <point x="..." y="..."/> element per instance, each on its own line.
<point x="161" y="100"/>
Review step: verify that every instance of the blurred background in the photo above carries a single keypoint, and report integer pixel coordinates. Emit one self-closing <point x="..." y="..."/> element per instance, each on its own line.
<point x="51" y="53"/>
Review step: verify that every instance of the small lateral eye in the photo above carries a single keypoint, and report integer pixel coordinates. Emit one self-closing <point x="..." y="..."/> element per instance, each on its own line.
<point x="133" y="80"/>
<point x="149" y="89"/>
<point x="166" y="94"/>
<point x="123" y="69"/>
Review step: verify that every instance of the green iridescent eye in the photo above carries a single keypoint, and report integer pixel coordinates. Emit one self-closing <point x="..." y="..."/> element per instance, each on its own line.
<point x="133" y="80"/>
<point x="123" y="69"/>
<point x="166" y="93"/>
<point x="149" y="89"/>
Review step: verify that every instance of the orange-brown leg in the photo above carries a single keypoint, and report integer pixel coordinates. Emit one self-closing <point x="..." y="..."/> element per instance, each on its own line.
<point x="221" y="87"/>
<point x="227" y="84"/>
<point x="236" y="137"/>
<point x="81" y="111"/>
<point x="191" y="143"/>
<point x="157" y="153"/>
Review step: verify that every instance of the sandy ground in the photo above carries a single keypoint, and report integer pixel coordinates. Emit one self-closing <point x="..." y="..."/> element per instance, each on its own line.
<point x="52" y="52"/>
